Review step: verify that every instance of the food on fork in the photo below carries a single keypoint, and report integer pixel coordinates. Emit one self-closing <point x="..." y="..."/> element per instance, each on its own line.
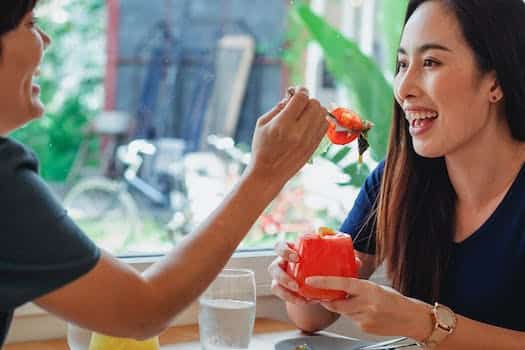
<point x="345" y="126"/>
<point x="324" y="253"/>
<point x="356" y="128"/>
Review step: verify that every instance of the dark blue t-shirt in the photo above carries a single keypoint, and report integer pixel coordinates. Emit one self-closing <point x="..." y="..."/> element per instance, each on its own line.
<point x="485" y="280"/>
<point x="41" y="249"/>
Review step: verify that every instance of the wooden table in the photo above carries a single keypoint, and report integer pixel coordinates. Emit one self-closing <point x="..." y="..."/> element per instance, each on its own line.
<point x="186" y="337"/>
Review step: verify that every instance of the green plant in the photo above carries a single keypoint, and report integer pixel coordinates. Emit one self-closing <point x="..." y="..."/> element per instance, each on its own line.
<point x="370" y="93"/>
<point x="71" y="82"/>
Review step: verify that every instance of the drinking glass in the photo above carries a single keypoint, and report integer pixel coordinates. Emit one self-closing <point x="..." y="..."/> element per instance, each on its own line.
<point x="78" y="338"/>
<point x="227" y="311"/>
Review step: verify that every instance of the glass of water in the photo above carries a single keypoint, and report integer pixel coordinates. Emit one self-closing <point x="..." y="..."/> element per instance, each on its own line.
<point x="78" y="338"/>
<point x="227" y="311"/>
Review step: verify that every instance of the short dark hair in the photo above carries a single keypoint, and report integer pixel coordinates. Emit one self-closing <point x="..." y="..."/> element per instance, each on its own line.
<point x="12" y="12"/>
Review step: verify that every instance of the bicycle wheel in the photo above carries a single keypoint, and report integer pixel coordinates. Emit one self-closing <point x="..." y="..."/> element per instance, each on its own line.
<point x="105" y="211"/>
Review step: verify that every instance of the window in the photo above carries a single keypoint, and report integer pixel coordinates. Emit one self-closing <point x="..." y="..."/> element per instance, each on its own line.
<point x="151" y="124"/>
<point x="150" y="120"/>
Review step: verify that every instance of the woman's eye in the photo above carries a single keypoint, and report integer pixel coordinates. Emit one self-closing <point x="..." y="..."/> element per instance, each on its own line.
<point x="33" y="22"/>
<point x="401" y="65"/>
<point x="430" y="63"/>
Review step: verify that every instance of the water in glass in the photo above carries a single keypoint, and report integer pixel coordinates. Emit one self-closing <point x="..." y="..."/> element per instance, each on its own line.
<point x="227" y="311"/>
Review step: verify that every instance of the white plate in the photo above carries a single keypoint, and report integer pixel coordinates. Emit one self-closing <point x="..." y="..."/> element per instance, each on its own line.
<point x="321" y="342"/>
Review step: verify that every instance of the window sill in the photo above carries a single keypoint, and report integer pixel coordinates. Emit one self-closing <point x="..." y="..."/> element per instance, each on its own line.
<point x="33" y="323"/>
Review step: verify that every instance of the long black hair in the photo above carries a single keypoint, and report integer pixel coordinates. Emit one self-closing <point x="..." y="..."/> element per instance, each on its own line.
<point x="12" y="12"/>
<point x="417" y="203"/>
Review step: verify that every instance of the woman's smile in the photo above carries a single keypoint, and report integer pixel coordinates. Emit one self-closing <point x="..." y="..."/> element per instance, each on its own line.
<point x="420" y="120"/>
<point x="35" y="87"/>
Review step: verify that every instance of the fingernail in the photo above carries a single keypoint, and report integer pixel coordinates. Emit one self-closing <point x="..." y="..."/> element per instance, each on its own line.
<point x="293" y="257"/>
<point x="304" y="91"/>
<point x="293" y="286"/>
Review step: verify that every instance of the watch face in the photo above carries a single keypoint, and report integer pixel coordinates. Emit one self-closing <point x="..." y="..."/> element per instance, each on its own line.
<point x="445" y="317"/>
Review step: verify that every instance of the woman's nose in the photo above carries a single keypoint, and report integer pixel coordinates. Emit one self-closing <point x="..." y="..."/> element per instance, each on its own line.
<point x="45" y="38"/>
<point x="407" y="84"/>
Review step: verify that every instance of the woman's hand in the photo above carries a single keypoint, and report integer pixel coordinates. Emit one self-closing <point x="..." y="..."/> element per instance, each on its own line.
<point x="377" y="309"/>
<point x="283" y="284"/>
<point x="286" y="137"/>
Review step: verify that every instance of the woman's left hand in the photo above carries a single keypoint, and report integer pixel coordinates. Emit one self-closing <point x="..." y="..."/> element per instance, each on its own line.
<point x="377" y="309"/>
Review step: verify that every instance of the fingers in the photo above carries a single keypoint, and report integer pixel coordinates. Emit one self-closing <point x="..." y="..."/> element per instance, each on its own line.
<point x="350" y="307"/>
<point x="281" y="276"/>
<point x="358" y="263"/>
<point x="352" y="286"/>
<point x="313" y="120"/>
<point x="283" y="285"/>
<point x="295" y="106"/>
<point x="286" y="251"/>
<point x="272" y="113"/>
<point x="287" y="295"/>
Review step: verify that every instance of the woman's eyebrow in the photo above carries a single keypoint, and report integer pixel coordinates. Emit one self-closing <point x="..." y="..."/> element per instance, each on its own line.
<point x="426" y="47"/>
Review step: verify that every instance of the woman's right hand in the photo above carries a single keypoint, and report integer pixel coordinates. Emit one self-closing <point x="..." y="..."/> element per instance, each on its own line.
<point x="286" y="137"/>
<point x="283" y="284"/>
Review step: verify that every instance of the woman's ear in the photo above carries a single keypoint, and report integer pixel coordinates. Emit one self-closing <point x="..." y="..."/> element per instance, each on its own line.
<point x="495" y="92"/>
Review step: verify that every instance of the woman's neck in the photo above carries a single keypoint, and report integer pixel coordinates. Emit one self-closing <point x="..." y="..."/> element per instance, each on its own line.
<point x="484" y="170"/>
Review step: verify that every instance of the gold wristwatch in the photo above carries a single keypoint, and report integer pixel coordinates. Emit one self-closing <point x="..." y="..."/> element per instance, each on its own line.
<point x="444" y="324"/>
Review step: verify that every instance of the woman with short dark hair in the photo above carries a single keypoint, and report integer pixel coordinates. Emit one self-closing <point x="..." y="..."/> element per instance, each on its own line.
<point x="445" y="211"/>
<point x="44" y="256"/>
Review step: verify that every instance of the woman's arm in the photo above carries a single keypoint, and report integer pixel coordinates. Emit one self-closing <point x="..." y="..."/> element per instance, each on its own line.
<point x="115" y="299"/>
<point x="383" y="311"/>
<point x="469" y="334"/>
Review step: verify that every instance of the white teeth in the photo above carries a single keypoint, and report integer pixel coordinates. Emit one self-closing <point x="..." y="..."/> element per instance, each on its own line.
<point x="410" y="116"/>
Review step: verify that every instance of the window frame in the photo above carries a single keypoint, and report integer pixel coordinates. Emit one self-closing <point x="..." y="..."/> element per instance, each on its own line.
<point x="44" y="326"/>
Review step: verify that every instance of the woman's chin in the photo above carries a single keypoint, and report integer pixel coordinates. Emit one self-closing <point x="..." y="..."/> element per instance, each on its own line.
<point x="37" y="109"/>
<point x="427" y="152"/>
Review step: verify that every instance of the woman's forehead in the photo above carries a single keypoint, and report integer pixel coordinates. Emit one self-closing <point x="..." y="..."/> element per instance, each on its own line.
<point x="431" y="23"/>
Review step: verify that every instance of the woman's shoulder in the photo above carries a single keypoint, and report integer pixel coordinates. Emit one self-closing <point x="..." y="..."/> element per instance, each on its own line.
<point x="373" y="181"/>
<point x="15" y="156"/>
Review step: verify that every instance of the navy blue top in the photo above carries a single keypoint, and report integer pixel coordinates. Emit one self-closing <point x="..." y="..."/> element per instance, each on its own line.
<point x="486" y="277"/>
<point x="41" y="249"/>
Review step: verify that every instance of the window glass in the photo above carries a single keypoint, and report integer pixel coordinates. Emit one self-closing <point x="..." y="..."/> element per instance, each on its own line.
<point x="151" y="107"/>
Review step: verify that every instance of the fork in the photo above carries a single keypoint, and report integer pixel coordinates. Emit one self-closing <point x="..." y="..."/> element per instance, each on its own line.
<point x="390" y="344"/>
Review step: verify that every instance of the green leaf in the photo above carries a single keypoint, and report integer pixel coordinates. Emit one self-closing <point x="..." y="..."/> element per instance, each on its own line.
<point x="390" y="16"/>
<point x="370" y="93"/>
<point x="75" y="55"/>
<point x="358" y="174"/>
<point x="341" y="154"/>
<point x="321" y="149"/>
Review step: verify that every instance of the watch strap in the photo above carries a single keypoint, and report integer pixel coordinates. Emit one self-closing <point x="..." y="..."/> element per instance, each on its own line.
<point x="441" y="330"/>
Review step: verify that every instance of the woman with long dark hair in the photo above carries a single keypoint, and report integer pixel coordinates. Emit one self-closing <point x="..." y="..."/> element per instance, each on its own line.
<point x="445" y="211"/>
<point x="44" y="256"/>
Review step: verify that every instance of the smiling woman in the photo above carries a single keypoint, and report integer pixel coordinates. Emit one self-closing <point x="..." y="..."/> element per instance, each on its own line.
<point x="445" y="211"/>
<point x="22" y="47"/>
<point x="45" y="256"/>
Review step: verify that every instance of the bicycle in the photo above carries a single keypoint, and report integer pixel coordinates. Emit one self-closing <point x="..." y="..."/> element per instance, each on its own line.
<point x="113" y="211"/>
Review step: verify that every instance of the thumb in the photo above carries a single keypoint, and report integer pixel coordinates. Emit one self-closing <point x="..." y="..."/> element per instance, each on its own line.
<point x="359" y="263"/>
<point x="266" y="118"/>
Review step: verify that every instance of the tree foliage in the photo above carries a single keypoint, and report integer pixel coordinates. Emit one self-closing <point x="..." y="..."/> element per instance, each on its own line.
<point x="71" y="81"/>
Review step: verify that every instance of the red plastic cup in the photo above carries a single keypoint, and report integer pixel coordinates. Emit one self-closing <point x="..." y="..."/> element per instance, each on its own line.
<point x="326" y="253"/>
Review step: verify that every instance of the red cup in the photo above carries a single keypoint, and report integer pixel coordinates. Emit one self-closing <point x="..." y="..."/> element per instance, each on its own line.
<point x="326" y="253"/>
